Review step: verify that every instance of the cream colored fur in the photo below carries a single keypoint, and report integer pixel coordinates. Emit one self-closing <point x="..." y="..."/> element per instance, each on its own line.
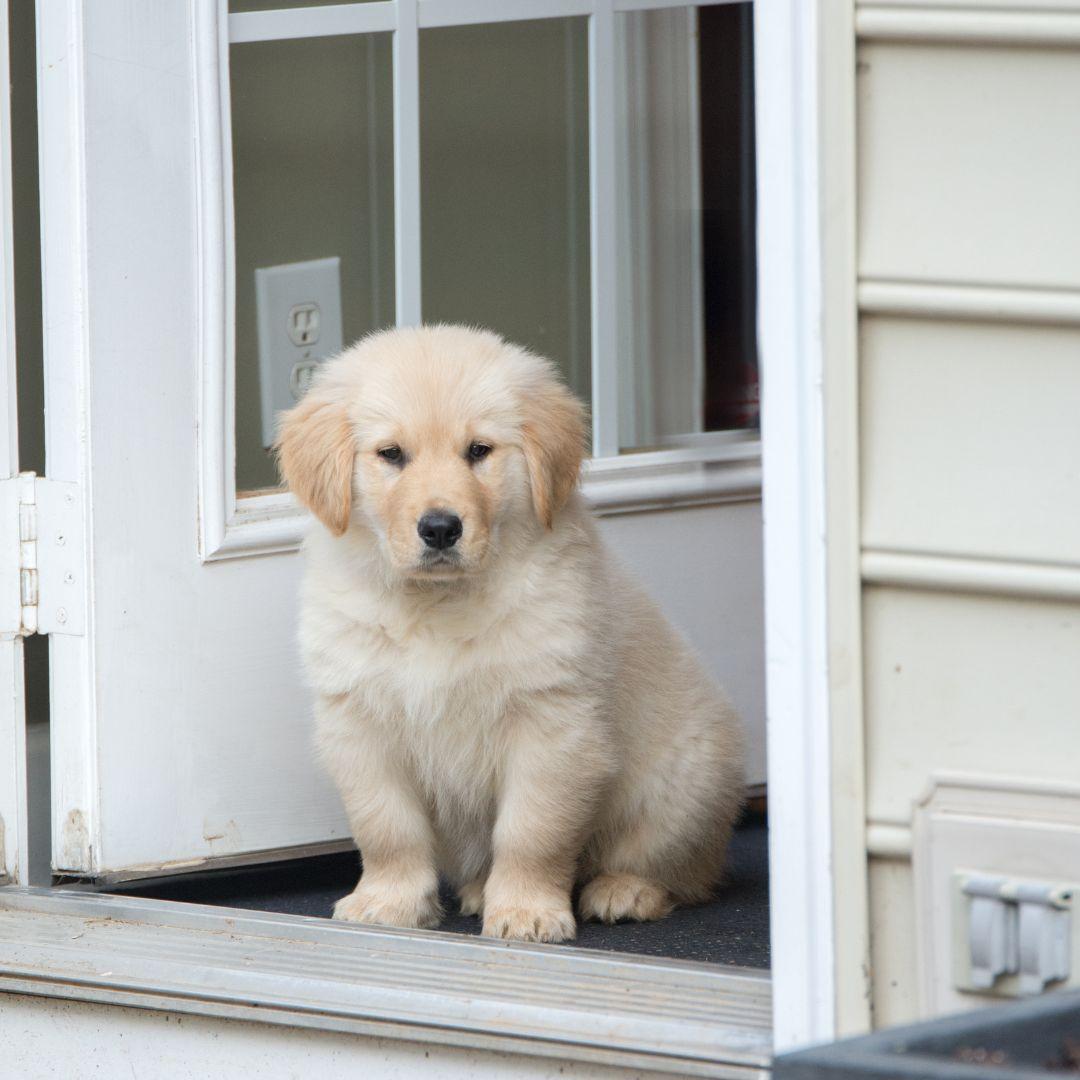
<point x="519" y="720"/>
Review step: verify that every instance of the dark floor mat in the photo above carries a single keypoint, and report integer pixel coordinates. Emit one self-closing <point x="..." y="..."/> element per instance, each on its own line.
<point x="733" y="929"/>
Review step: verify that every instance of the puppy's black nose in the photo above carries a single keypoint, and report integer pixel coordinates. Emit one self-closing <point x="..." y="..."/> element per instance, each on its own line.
<point x="439" y="529"/>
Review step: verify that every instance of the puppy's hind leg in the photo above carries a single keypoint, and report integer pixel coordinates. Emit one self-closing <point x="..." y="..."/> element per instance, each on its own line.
<point x="615" y="897"/>
<point x="644" y="870"/>
<point x="622" y="878"/>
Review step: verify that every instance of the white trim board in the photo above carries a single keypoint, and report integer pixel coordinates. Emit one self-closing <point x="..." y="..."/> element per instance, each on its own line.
<point x="1015" y="26"/>
<point x="806" y="310"/>
<point x="950" y="573"/>
<point x="976" y="303"/>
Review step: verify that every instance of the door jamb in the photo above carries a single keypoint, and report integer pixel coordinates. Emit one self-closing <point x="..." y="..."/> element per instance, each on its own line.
<point x="805" y="99"/>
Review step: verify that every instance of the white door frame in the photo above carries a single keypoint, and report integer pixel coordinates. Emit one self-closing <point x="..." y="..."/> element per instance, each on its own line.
<point x="816" y="854"/>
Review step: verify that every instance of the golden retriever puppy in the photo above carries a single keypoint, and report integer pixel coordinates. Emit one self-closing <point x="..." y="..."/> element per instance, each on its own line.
<point x="496" y="700"/>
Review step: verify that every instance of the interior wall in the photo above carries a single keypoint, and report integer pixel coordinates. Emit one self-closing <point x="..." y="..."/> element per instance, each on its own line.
<point x="703" y="566"/>
<point x="968" y="159"/>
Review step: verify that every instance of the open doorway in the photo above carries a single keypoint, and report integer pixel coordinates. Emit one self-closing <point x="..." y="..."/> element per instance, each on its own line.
<point x="511" y="146"/>
<point x="683" y="381"/>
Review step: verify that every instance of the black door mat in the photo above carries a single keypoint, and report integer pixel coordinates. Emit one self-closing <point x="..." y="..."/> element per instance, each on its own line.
<point x="732" y="929"/>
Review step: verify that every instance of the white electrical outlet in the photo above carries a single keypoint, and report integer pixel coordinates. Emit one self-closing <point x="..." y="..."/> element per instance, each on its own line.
<point x="298" y="315"/>
<point x="994" y="862"/>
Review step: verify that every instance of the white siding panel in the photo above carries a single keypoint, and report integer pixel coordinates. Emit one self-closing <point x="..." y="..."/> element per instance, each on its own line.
<point x="970" y="163"/>
<point x="966" y="683"/>
<point x="892" y="932"/>
<point x="971" y="438"/>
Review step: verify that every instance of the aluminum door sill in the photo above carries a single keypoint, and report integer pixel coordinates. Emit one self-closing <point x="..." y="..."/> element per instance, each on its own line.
<point x="612" y="1008"/>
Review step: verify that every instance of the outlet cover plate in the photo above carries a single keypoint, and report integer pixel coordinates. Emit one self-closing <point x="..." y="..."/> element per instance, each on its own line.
<point x="298" y="315"/>
<point x="1019" y="828"/>
<point x="1007" y="984"/>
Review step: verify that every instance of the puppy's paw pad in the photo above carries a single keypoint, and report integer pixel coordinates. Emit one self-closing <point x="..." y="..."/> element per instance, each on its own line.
<point x="389" y="907"/>
<point x="471" y="898"/>
<point x="531" y="924"/>
<point x="614" y="898"/>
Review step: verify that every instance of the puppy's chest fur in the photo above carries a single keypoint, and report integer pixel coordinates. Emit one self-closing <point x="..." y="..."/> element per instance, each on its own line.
<point x="448" y="678"/>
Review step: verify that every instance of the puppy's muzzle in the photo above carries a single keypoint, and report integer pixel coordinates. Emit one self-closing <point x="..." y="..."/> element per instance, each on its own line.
<point x="439" y="529"/>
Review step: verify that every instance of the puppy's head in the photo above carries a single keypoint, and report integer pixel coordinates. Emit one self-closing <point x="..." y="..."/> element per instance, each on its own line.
<point x="438" y="440"/>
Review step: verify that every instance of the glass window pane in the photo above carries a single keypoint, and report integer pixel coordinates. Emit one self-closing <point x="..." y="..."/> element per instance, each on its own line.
<point x="312" y="131"/>
<point x="505" y="184"/>
<point x="685" y="138"/>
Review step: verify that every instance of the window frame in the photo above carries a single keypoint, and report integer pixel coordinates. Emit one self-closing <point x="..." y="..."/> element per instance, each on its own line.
<point x="720" y="468"/>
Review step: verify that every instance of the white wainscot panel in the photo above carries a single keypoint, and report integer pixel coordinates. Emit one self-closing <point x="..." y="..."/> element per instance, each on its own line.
<point x="970" y="163"/>
<point x="966" y="683"/>
<point x="703" y="565"/>
<point x="971" y="439"/>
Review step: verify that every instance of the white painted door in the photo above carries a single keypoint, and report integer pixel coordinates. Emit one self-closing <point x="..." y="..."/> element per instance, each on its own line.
<point x="13" y="815"/>
<point x="180" y="718"/>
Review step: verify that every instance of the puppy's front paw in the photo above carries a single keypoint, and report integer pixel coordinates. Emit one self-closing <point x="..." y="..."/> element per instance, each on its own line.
<point x="612" y="898"/>
<point x="389" y="906"/>
<point x="531" y="923"/>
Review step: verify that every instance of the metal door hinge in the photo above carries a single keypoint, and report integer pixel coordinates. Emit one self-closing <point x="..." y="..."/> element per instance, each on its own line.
<point x="43" y="519"/>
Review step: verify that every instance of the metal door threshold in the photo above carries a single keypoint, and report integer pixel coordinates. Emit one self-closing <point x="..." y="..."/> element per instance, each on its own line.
<point x="610" y="1008"/>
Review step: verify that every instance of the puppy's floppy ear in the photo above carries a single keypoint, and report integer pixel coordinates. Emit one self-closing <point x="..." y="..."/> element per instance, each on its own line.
<point x="553" y="439"/>
<point x="316" y="454"/>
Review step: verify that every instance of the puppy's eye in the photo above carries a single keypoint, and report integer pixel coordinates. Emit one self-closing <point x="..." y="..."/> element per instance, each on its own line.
<point x="478" y="451"/>
<point x="392" y="454"/>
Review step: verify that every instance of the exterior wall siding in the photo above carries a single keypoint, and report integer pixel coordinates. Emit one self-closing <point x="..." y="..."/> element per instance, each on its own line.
<point x="968" y="168"/>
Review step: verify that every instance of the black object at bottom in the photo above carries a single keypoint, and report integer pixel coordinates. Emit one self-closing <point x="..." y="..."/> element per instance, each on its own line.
<point x="732" y="929"/>
<point x="1026" y="1040"/>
